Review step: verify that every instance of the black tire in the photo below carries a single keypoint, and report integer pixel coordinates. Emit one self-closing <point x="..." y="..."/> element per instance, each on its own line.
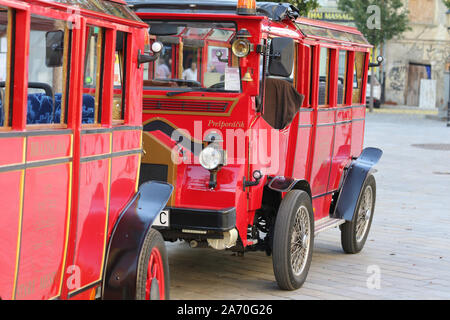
<point x="351" y="241"/>
<point x="153" y="245"/>
<point x="296" y="202"/>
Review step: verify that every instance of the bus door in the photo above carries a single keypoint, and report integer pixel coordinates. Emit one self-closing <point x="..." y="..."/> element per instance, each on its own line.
<point x="110" y="146"/>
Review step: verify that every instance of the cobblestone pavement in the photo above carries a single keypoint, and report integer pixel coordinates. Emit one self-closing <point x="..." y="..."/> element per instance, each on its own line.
<point x="409" y="241"/>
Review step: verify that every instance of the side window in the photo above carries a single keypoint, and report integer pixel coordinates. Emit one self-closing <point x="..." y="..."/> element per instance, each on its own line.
<point x="358" y="76"/>
<point x="119" y="76"/>
<point x="342" y="77"/>
<point x="324" y="76"/>
<point x="5" y="85"/>
<point x="92" y="73"/>
<point x="48" y="71"/>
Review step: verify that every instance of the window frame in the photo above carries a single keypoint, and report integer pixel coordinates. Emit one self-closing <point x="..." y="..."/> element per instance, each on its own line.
<point x="9" y="81"/>
<point x="100" y="70"/>
<point x="328" y="77"/>
<point x="66" y="74"/>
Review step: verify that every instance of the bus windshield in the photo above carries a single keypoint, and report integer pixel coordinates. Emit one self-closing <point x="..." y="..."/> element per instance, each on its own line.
<point x="196" y="56"/>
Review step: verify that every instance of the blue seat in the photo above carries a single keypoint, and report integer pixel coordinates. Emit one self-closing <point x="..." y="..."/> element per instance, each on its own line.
<point x="57" y="116"/>
<point x="88" y="114"/>
<point x="40" y="109"/>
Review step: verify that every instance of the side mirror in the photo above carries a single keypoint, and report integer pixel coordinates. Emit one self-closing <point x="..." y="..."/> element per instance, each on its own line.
<point x="281" y="61"/>
<point x="146" y="58"/>
<point x="54" y="43"/>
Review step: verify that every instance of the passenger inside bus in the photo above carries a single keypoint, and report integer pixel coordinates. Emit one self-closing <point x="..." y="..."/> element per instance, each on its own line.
<point x="199" y="55"/>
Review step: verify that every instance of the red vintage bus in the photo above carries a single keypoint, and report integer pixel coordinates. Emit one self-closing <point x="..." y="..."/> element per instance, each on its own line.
<point x="256" y="117"/>
<point x="74" y="222"/>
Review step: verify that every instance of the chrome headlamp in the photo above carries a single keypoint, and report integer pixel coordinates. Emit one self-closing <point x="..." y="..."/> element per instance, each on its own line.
<point x="212" y="157"/>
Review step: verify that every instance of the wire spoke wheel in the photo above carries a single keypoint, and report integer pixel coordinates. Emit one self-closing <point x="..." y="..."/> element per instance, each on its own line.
<point x="293" y="240"/>
<point x="354" y="233"/>
<point x="300" y="241"/>
<point x="364" y="213"/>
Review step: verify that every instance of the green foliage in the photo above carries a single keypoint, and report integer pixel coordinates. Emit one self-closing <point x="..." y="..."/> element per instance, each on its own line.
<point x="447" y="3"/>
<point x="303" y="5"/>
<point x="393" y="18"/>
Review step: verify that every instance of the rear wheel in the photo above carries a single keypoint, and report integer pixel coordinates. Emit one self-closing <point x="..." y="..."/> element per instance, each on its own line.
<point x="354" y="233"/>
<point x="293" y="240"/>
<point x="153" y="269"/>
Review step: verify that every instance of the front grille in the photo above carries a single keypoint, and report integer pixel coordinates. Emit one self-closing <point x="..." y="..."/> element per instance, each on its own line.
<point x="185" y="105"/>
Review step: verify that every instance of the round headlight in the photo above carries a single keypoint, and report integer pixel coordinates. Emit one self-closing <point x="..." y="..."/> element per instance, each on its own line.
<point x="241" y="48"/>
<point x="211" y="158"/>
<point x="157" y="47"/>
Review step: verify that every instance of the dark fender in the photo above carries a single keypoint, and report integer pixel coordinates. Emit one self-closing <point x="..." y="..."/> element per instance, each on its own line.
<point x="284" y="184"/>
<point x="357" y="174"/>
<point x="127" y="238"/>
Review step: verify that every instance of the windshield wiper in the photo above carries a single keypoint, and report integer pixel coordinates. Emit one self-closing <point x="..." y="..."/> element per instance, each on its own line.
<point x="174" y="93"/>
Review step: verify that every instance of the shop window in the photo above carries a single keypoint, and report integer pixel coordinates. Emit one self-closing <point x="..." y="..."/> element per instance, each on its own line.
<point x="5" y="110"/>
<point x="91" y="112"/>
<point x="358" y="76"/>
<point x="342" y="77"/>
<point x="324" y="76"/>
<point x="119" y="76"/>
<point x="48" y="71"/>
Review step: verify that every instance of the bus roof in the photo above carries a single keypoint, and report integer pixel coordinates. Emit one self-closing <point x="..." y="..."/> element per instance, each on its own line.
<point x="274" y="11"/>
<point x="113" y="8"/>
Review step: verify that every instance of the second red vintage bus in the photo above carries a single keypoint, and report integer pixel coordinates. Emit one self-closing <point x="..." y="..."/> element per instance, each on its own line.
<point x="256" y="117"/>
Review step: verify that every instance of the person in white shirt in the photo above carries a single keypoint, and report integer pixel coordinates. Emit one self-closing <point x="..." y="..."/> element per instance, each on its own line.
<point x="162" y="70"/>
<point x="191" y="73"/>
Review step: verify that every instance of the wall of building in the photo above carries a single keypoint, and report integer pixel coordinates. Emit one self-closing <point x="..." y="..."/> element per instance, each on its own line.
<point x="427" y="44"/>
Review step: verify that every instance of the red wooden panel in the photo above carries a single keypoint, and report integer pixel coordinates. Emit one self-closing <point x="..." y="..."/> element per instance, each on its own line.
<point x="11" y="189"/>
<point x="306" y="117"/>
<point x="341" y="153"/>
<point x="321" y="159"/>
<point x="92" y="219"/>
<point x="343" y="114"/>
<point x="126" y="140"/>
<point x="325" y="115"/>
<point x="48" y="147"/>
<point x="302" y="153"/>
<point x="359" y="112"/>
<point x="95" y="144"/>
<point x="11" y="150"/>
<point x="321" y="207"/>
<point x="44" y="221"/>
<point x="123" y="185"/>
<point x="357" y="137"/>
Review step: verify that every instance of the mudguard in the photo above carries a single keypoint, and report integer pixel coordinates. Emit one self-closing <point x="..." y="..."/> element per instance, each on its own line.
<point x="357" y="174"/>
<point x="127" y="239"/>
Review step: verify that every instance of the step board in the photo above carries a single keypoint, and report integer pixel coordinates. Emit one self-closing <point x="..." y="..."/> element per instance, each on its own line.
<point x="327" y="223"/>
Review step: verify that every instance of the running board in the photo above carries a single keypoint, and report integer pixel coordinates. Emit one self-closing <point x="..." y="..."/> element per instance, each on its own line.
<point x="327" y="223"/>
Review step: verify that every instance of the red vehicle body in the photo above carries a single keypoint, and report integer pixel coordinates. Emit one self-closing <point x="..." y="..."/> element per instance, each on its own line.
<point x="74" y="224"/>
<point x="297" y="85"/>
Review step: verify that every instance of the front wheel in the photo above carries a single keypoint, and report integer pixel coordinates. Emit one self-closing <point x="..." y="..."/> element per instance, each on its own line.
<point x="293" y="240"/>
<point x="354" y="233"/>
<point x="153" y="269"/>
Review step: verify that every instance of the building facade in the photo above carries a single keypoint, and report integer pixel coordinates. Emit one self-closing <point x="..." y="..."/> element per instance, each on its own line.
<point x="416" y="68"/>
